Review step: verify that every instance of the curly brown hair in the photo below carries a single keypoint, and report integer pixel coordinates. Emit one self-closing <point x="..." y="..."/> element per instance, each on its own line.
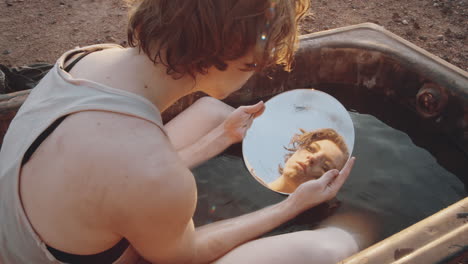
<point x="304" y="139"/>
<point x="190" y="36"/>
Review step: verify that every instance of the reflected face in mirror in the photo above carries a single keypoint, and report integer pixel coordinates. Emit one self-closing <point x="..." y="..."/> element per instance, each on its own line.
<point x="313" y="153"/>
<point x="314" y="160"/>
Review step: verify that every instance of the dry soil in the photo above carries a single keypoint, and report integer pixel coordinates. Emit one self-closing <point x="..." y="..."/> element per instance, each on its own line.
<point x="41" y="30"/>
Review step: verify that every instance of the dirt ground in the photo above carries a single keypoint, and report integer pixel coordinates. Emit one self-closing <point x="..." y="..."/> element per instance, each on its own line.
<point x="41" y="30"/>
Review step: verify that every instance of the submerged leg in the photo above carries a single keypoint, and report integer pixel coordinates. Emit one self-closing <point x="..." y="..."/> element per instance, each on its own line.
<point x="362" y="224"/>
<point x="343" y="234"/>
<point x="321" y="246"/>
<point x="196" y="121"/>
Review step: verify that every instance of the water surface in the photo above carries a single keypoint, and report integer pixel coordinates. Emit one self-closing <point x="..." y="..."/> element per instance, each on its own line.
<point x="393" y="178"/>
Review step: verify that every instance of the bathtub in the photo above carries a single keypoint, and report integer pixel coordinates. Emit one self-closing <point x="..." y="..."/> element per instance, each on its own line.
<point x="366" y="59"/>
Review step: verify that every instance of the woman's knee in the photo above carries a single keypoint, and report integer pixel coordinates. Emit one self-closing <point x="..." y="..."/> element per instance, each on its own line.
<point x="330" y="245"/>
<point x="363" y="225"/>
<point x="328" y="254"/>
<point x="212" y="109"/>
<point x="211" y="103"/>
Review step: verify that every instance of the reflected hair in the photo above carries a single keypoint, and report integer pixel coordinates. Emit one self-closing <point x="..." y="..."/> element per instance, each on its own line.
<point x="304" y="139"/>
<point x="190" y="36"/>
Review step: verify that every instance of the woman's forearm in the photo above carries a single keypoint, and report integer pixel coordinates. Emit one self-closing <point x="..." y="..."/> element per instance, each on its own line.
<point x="216" y="239"/>
<point x="204" y="149"/>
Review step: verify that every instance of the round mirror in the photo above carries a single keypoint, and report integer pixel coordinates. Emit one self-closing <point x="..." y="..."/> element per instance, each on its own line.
<point x="301" y="134"/>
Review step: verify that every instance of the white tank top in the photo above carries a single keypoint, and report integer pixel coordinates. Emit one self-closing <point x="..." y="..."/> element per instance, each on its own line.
<point x="58" y="94"/>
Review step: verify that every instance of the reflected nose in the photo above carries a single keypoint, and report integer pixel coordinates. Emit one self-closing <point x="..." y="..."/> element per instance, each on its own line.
<point x="310" y="159"/>
<point x="317" y="157"/>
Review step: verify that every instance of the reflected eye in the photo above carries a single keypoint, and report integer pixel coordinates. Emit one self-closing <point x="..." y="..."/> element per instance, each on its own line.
<point x="313" y="148"/>
<point x="326" y="166"/>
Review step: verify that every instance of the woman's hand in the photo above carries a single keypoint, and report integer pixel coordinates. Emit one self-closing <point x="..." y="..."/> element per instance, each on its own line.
<point x="314" y="192"/>
<point x="237" y="123"/>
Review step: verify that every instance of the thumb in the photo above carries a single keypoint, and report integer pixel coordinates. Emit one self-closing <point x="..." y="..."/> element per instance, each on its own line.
<point x="329" y="177"/>
<point x="252" y="109"/>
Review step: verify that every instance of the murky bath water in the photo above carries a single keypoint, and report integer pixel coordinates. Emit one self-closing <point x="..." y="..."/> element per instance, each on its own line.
<point x="399" y="181"/>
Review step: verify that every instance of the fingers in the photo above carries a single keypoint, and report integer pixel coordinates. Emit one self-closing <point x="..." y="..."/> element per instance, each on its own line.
<point x="343" y="176"/>
<point x="335" y="179"/>
<point x="260" y="112"/>
<point x="248" y="123"/>
<point x="328" y="177"/>
<point x="345" y="171"/>
<point x="256" y="109"/>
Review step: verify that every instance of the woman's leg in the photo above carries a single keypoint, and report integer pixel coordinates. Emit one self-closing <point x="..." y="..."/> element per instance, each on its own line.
<point x="326" y="245"/>
<point x="364" y="225"/>
<point x="341" y="235"/>
<point x="196" y="121"/>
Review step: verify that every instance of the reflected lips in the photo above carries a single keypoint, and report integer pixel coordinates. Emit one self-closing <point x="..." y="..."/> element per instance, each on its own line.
<point x="302" y="166"/>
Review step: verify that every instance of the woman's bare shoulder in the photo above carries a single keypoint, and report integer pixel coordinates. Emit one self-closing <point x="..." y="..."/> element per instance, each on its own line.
<point x="116" y="148"/>
<point x="140" y="174"/>
<point x="108" y="168"/>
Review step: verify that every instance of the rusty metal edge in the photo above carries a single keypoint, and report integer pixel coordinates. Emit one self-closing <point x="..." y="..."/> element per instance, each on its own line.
<point x="4" y="97"/>
<point x="434" y="232"/>
<point x="437" y="250"/>
<point x="13" y="101"/>
<point x="363" y="35"/>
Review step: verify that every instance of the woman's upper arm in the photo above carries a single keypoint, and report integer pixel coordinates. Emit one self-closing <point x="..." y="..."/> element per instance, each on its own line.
<point x="154" y="202"/>
<point x="146" y="194"/>
<point x="158" y="218"/>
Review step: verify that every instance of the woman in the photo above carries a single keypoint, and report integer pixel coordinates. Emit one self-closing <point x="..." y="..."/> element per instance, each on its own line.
<point x="313" y="154"/>
<point x="90" y="174"/>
